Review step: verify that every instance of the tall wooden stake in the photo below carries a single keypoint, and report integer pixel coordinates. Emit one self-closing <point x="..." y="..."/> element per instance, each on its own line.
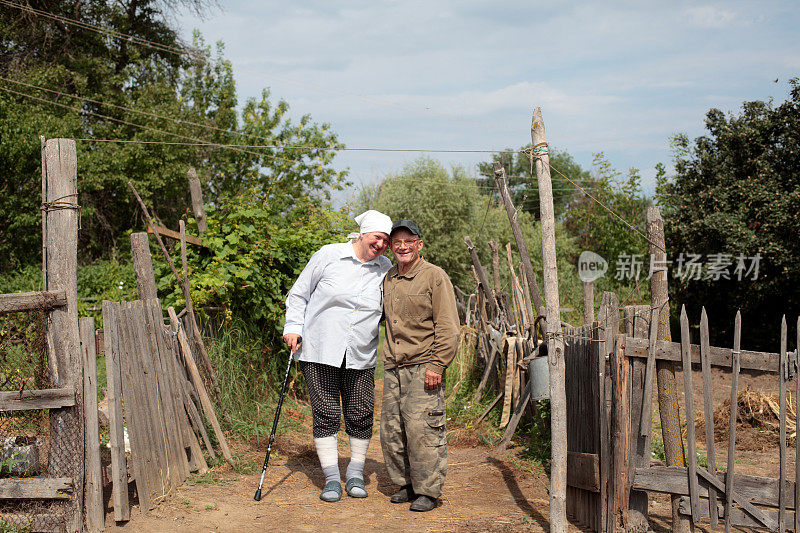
<point x="502" y="187"/>
<point x="588" y="302"/>
<point x="60" y="272"/>
<point x="555" y="340"/>
<point x="665" y="370"/>
<point x="143" y="266"/>
<point x="198" y="207"/>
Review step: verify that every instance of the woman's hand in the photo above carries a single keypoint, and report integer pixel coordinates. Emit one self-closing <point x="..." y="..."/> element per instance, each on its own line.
<point x="293" y="341"/>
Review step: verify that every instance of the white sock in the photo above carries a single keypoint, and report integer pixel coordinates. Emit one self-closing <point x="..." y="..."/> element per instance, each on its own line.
<point x="358" y="456"/>
<point x="328" y="455"/>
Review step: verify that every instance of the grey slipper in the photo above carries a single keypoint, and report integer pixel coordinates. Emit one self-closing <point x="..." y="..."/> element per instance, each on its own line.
<point x="355" y="488"/>
<point x="332" y="492"/>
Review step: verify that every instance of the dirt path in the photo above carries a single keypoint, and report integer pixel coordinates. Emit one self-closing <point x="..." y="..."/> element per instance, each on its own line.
<point x="483" y="492"/>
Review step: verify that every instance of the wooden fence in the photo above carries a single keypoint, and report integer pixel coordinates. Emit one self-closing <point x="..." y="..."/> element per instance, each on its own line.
<point x="610" y="387"/>
<point x="52" y="479"/>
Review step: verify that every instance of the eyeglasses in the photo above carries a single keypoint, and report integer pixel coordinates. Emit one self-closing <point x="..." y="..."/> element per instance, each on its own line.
<point x="410" y="242"/>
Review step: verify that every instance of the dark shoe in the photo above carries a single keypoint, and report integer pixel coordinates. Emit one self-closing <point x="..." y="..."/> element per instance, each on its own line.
<point x="332" y="492"/>
<point x="422" y="504"/>
<point x="404" y="495"/>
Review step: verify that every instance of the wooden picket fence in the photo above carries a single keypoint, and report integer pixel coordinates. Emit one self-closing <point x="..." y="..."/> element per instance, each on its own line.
<point x="610" y="387"/>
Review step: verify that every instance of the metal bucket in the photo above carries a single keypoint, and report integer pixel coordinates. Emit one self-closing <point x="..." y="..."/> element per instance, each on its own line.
<point x="539" y="375"/>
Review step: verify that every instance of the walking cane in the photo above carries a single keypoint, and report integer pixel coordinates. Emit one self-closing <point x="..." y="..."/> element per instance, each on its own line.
<point x="257" y="497"/>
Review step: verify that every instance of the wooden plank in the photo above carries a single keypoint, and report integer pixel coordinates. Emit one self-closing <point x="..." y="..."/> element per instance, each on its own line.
<point x="637" y="321"/>
<point x="197" y="420"/>
<point x="674" y="480"/>
<point x="176" y="413"/>
<point x="621" y="446"/>
<point x="796" y="447"/>
<point x="649" y="377"/>
<point x="484" y="281"/>
<point x="145" y="457"/>
<point x="588" y="302"/>
<point x="37" y="399"/>
<point x="163" y="410"/>
<point x="525" y="397"/>
<point x="737" y="335"/>
<point x="172" y="234"/>
<point x="35" y="488"/>
<point x="201" y="390"/>
<point x="533" y="288"/>
<point x="31" y="301"/>
<point x="708" y="413"/>
<point x="143" y="265"/>
<point x="782" y="375"/>
<point x="93" y="487"/>
<point x="119" y="476"/>
<point x="609" y="320"/>
<point x="688" y="394"/>
<point x="720" y="357"/>
<point x="738" y="517"/>
<point x="491" y="406"/>
<point x="583" y="471"/>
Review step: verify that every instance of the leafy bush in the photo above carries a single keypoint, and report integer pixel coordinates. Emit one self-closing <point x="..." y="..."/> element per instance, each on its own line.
<point x="255" y="249"/>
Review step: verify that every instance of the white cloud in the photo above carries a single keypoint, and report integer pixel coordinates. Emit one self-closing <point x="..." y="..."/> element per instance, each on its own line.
<point x="713" y="17"/>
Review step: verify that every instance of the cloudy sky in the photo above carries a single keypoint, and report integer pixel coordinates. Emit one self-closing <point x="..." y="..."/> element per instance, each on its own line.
<point x="613" y="77"/>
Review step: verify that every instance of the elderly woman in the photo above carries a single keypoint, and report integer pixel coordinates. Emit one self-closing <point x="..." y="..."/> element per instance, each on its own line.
<point x="332" y="315"/>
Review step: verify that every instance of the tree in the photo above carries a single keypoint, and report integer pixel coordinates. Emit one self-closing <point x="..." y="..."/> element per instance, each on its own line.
<point x="448" y="206"/>
<point x="735" y="196"/>
<point x="523" y="184"/>
<point x="163" y="112"/>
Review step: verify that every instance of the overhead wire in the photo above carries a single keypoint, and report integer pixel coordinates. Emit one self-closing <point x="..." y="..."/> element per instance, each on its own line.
<point x="193" y="53"/>
<point x="198" y="142"/>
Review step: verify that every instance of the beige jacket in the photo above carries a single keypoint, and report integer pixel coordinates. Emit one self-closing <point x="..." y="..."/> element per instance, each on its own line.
<point x="421" y="318"/>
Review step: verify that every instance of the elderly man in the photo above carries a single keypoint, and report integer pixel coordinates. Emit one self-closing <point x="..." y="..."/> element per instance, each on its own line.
<point x="422" y="332"/>
<point x="332" y="315"/>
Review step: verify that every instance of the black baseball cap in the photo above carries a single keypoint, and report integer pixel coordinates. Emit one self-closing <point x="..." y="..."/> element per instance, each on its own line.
<point x="407" y="224"/>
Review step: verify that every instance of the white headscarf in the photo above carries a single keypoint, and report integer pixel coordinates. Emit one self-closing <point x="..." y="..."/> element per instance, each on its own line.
<point x="370" y="221"/>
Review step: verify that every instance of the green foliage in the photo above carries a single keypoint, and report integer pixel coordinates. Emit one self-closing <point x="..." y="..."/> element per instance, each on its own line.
<point x="143" y="96"/>
<point x="255" y="251"/>
<point x="523" y="184"/>
<point x="449" y="206"/>
<point x="737" y="191"/>
<point x="105" y="279"/>
<point x="597" y="230"/>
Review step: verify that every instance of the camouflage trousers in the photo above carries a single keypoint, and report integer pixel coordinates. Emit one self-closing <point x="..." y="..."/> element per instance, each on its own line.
<point x="413" y="434"/>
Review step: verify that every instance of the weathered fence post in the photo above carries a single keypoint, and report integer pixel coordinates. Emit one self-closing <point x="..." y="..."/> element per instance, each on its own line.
<point x="198" y="207"/>
<point x="143" y="266"/>
<point x="555" y="339"/>
<point x="60" y="269"/>
<point x="588" y="302"/>
<point x="665" y="370"/>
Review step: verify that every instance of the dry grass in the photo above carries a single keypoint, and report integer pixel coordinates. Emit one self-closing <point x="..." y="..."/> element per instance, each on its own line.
<point x="758" y="420"/>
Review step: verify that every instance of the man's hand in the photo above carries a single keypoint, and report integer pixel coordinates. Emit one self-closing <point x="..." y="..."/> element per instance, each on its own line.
<point x="293" y="341"/>
<point x="432" y="380"/>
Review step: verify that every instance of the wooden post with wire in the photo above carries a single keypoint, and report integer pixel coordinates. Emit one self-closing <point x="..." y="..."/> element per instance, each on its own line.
<point x="555" y="340"/>
<point x="198" y="207"/>
<point x="665" y="370"/>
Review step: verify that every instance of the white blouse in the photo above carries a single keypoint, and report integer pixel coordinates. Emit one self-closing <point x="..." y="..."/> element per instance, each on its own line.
<point x="335" y="305"/>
